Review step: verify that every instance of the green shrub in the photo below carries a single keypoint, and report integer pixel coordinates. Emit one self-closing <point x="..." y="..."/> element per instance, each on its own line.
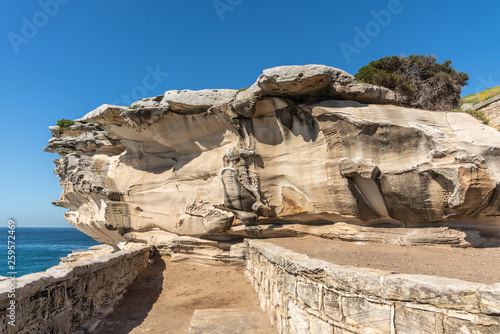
<point x="242" y="89"/>
<point x="421" y="82"/>
<point x="65" y="122"/>
<point x="132" y="107"/>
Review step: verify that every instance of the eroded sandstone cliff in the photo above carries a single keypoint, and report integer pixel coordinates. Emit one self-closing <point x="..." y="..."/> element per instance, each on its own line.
<point x="303" y="150"/>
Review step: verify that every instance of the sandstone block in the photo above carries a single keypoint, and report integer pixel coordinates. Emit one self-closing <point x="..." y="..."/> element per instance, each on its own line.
<point x="332" y="305"/>
<point x="298" y="319"/>
<point x="458" y="326"/>
<point x="308" y="292"/>
<point x="414" y="321"/>
<point x="439" y="291"/>
<point x="490" y="299"/>
<point x="367" y="316"/>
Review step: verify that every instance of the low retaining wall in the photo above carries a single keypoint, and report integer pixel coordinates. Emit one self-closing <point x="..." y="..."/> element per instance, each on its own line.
<point x="303" y="295"/>
<point x="70" y="294"/>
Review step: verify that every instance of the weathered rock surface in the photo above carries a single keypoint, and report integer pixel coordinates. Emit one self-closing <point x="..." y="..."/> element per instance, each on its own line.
<point x="188" y="101"/>
<point x="368" y="93"/>
<point x="276" y="159"/>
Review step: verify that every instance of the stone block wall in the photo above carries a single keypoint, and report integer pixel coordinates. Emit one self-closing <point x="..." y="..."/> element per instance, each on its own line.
<point x="304" y="295"/>
<point x="72" y="296"/>
<point x="492" y="112"/>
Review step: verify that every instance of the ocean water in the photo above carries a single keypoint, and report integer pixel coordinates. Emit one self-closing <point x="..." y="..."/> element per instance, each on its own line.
<point x="38" y="249"/>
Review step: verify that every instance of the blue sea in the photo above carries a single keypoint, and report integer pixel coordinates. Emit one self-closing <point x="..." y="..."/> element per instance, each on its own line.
<point x="38" y="249"/>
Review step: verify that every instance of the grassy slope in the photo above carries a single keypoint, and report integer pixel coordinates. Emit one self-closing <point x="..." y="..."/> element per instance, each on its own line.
<point x="477" y="98"/>
<point x="481" y="96"/>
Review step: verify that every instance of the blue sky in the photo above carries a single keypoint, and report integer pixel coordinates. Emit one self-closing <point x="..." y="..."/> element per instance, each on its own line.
<point x="63" y="58"/>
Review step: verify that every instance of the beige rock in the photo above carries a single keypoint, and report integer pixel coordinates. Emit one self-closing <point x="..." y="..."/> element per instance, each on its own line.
<point x="189" y="101"/>
<point x="467" y="106"/>
<point x="366" y="316"/>
<point x="432" y="290"/>
<point x="368" y="93"/>
<point x="149" y="102"/>
<point x="458" y="326"/>
<point x="222" y="164"/>
<point x="302" y="81"/>
<point x="490" y="299"/>
<point x="414" y="321"/>
<point x="299" y="319"/>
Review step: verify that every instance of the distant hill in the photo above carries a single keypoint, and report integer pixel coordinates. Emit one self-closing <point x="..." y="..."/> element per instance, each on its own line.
<point x="481" y="96"/>
<point x="484" y="106"/>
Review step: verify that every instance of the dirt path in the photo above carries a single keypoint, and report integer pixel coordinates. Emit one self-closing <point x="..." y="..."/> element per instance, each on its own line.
<point x="480" y="265"/>
<point x="164" y="296"/>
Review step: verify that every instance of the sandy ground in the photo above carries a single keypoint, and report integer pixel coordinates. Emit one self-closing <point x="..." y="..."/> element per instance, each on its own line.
<point x="480" y="265"/>
<point x="164" y="296"/>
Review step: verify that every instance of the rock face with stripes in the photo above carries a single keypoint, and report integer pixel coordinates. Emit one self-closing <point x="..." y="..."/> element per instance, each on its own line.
<point x="279" y="158"/>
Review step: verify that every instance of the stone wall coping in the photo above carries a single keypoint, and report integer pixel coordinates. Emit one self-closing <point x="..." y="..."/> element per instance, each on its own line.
<point x="486" y="103"/>
<point x="445" y="292"/>
<point x="30" y="284"/>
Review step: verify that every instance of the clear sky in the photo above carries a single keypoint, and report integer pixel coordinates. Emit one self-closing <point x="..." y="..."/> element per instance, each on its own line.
<point x="63" y="58"/>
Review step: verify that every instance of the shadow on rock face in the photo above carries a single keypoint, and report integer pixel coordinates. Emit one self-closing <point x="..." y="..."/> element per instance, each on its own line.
<point x="137" y="302"/>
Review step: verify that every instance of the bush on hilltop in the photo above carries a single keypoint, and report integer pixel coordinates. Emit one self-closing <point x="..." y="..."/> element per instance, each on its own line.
<point x="420" y="80"/>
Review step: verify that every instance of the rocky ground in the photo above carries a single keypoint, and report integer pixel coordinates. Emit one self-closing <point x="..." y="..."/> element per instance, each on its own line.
<point x="470" y="264"/>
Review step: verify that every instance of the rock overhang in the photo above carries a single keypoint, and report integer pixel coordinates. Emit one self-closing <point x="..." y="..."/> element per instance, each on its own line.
<point x="292" y="148"/>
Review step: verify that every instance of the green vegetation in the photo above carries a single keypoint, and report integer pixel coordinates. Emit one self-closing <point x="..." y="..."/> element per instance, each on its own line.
<point x="481" y="96"/>
<point x="479" y="115"/>
<point x="65" y="122"/>
<point x="478" y="98"/>
<point x="420" y="80"/>
<point x="133" y="107"/>
<point x="242" y="89"/>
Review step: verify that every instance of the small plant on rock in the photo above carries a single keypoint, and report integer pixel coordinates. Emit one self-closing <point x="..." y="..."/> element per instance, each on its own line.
<point x="65" y="122"/>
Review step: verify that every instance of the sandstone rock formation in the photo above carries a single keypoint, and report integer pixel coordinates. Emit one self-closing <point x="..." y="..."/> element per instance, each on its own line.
<point x="203" y="169"/>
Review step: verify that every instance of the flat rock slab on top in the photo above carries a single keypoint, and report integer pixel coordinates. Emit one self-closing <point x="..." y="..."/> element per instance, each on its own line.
<point x="185" y="101"/>
<point x="225" y="321"/>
